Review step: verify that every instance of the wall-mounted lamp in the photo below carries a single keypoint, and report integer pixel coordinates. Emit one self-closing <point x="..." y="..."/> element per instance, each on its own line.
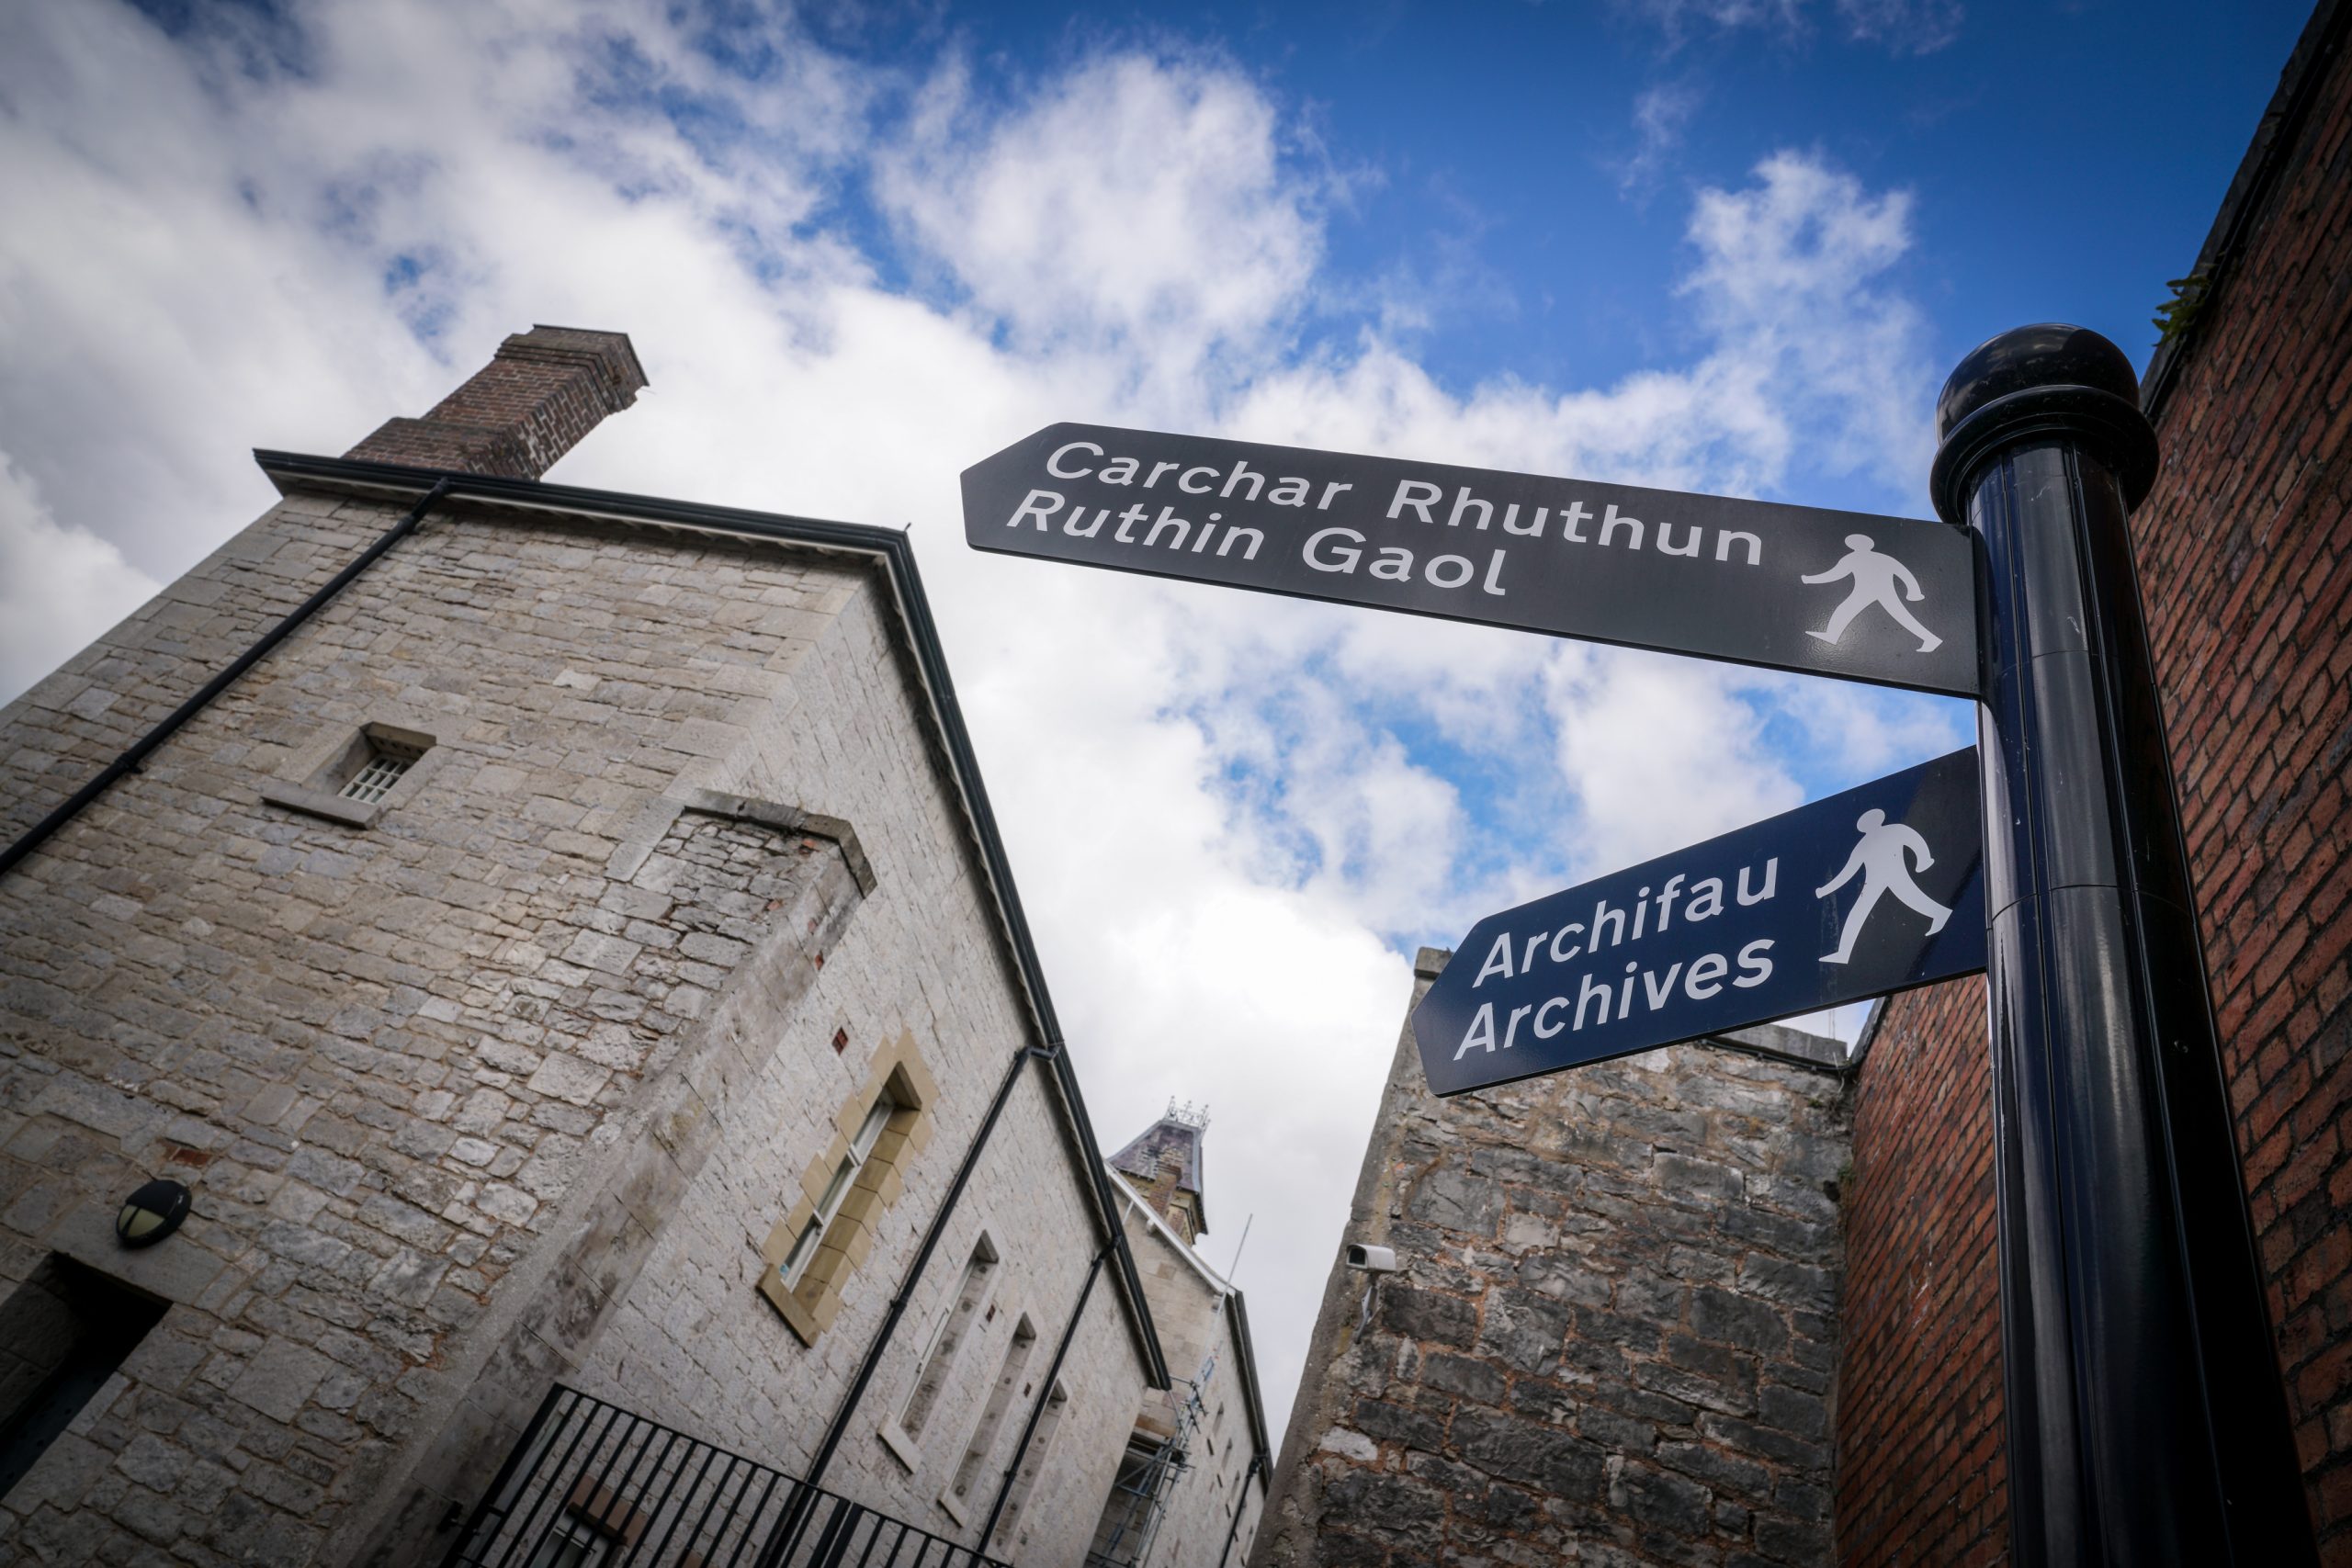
<point x="151" y="1213"/>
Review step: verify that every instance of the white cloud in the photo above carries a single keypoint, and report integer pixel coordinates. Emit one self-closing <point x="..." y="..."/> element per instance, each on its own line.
<point x="1660" y="113"/>
<point x="1229" y="813"/>
<point x="1901" y="26"/>
<point x="58" y="586"/>
<point x="1137" y="207"/>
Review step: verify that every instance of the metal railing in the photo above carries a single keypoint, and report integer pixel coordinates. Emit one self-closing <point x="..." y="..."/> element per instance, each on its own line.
<point x="591" y="1486"/>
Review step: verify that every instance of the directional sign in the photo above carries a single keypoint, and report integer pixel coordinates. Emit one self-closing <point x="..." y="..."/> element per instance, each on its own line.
<point x="1878" y="889"/>
<point x="1879" y="599"/>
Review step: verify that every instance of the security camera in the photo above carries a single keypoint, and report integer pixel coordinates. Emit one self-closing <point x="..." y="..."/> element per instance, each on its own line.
<point x="1370" y="1258"/>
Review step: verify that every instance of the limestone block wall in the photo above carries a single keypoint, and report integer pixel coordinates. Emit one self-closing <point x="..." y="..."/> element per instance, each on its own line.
<point x="381" y="1056"/>
<point x="1613" y="1337"/>
<point x="445" y="1085"/>
<point x="68" y="726"/>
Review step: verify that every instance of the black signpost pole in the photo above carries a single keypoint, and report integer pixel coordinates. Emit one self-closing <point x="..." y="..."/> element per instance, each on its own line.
<point x="2147" y="1422"/>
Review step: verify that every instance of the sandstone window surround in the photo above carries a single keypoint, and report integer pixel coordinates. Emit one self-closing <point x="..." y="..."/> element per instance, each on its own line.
<point x="353" y="774"/>
<point x="1010" y="1386"/>
<point x="825" y="1237"/>
<point x="964" y="1318"/>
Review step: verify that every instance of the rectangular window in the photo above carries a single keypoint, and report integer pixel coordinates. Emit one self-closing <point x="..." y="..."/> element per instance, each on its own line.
<point x="379" y="772"/>
<point x="830" y="1221"/>
<point x="861" y="1149"/>
<point x="63" y="1332"/>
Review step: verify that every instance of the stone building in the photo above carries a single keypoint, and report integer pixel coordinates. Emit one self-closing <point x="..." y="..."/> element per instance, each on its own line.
<point x="1206" y="1433"/>
<point x="560" y="941"/>
<point x="1612" y="1337"/>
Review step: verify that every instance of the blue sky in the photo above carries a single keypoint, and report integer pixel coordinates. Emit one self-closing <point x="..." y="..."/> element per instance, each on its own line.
<point x="1726" y="245"/>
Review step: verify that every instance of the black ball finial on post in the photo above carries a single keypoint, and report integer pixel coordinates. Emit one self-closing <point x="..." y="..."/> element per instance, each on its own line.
<point x="2147" y="1422"/>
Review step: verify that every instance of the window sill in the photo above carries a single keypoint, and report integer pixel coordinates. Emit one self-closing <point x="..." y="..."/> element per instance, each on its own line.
<point x="319" y="803"/>
<point x="955" y="1509"/>
<point x="902" y="1447"/>
<point x="805" y="1322"/>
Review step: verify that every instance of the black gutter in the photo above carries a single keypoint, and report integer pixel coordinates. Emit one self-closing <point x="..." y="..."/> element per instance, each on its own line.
<point x="1246" y="1354"/>
<point x="1240" y="1501"/>
<point x="898" y="556"/>
<point x="914" y="1276"/>
<point x="1045" y="1393"/>
<point x="162" y="731"/>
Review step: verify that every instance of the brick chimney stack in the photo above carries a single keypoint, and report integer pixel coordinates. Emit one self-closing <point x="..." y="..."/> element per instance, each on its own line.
<point x="544" y="389"/>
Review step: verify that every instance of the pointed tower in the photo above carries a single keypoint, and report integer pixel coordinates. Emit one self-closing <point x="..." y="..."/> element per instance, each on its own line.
<point x="1163" y="1165"/>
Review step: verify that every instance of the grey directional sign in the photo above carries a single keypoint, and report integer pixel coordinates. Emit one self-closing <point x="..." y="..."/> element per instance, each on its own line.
<point x="1873" y="890"/>
<point x="1881" y="599"/>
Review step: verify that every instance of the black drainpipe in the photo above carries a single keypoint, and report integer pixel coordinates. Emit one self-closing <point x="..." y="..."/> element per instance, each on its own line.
<point x="796" y="1517"/>
<point x="129" y="762"/>
<point x="1240" y="1501"/>
<point x="1045" y="1393"/>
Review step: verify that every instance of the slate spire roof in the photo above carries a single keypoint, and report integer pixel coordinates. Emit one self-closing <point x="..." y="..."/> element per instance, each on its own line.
<point x="1165" y="1160"/>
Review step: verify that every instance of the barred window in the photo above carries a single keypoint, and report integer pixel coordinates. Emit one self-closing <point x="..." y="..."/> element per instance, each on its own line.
<point x="385" y="762"/>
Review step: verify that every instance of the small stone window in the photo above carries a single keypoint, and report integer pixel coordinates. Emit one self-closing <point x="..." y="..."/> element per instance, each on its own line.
<point x="827" y="1230"/>
<point x="354" y="777"/>
<point x="387" y="761"/>
<point x="1011" y="1388"/>
<point x="956" y="1328"/>
<point x="1011" y="1532"/>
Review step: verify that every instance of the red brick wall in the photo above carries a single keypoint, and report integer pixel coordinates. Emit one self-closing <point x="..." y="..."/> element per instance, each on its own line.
<point x="543" y="391"/>
<point x="1920" y="1463"/>
<point x="2245" y="558"/>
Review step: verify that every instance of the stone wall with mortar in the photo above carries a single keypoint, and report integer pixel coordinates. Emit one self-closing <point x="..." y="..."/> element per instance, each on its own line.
<point x="1613" y="1337"/>
<point x="443" y="1084"/>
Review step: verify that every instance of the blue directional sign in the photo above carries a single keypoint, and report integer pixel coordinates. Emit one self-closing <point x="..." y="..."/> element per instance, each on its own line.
<point x="1877" y="889"/>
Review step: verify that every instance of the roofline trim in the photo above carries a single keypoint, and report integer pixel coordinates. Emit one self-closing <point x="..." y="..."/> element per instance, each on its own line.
<point x="893" y="550"/>
<point x="1229" y="1293"/>
<point x="2274" y="140"/>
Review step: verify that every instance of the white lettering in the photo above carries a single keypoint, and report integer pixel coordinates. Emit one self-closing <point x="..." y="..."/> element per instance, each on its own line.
<point x="1053" y="464"/>
<point x="1421" y="503"/>
<point x="1342" y="558"/>
<point x="1034" y="505"/>
<point x="1498" y="960"/>
<point x="1481" y="1031"/>
<point x="1705" y="976"/>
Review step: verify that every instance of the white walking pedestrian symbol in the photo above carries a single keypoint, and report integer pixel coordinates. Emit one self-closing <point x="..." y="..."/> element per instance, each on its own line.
<point x="1875" y="578"/>
<point x="1883" y="858"/>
